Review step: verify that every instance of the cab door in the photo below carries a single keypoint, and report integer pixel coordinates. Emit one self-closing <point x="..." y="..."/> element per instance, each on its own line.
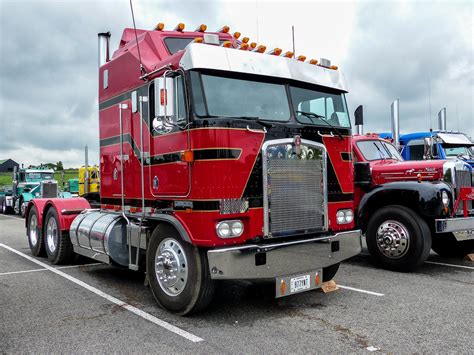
<point x="168" y="174"/>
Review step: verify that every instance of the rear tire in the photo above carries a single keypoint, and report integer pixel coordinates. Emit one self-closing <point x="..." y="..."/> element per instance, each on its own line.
<point x="57" y="244"/>
<point x="178" y="272"/>
<point x="5" y="209"/>
<point x="35" y="235"/>
<point x="446" y="245"/>
<point x="330" y="271"/>
<point x="397" y="238"/>
<point x="22" y="209"/>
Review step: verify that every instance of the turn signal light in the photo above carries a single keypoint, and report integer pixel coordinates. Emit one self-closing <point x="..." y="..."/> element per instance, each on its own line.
<point x="160" y="26"/>
<point x="282" y="287"/>
<point x="244" y="46"/>
<point x="227" y="44"/>
<point x="187" y="156"/>
<point x="288" y="54"/>
<point x="276" y="51"/>
<point x="301" y="58"/>
<point x="224" y="29"/>
<point x="245" y="40"/>
<point x="237" y="35"/>
<point x="201" y="28"/>
<point x="316" y="279"/>
<point x="179" y="27"/>
<point x="313" y="61"/>
<point x="198" y="40"/>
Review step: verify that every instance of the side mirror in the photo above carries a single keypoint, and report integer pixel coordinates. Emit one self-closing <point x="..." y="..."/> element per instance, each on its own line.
<point x="164" y="97"/>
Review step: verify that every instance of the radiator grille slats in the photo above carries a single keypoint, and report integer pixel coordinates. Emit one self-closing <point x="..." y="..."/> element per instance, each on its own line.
<point x="295" y="192"/>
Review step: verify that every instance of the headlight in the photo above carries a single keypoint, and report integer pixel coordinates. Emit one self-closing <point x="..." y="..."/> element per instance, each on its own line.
<point x="344" y="216"/>
<point x="445" y="199"/>
<point x="230" y="229"/>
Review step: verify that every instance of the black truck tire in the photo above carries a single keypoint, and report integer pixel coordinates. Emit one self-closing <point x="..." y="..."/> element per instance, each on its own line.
<point x="330" y="271"/>
<point x="35" y="234"/>
<point x="182" y="283"/>
<point x="446" y="245"/>
<point x="22" y="209"/>
<point x="397" y="238"/>
<point x="3" y="209"/>
<point x="57" y="244"/>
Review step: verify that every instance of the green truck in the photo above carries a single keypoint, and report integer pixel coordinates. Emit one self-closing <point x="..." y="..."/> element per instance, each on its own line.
<point x="29" y="183"/>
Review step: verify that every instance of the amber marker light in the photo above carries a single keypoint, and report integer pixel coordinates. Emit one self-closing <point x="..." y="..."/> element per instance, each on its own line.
<point x="187" y="156"/>
<point x="227" y="44"/>
<point x="237" y="35"/>
<point x="179" y="27"/>
<point x="282" y="287"/>
<point x="333" y="67"/>
<point x="201" y="28"/>
<point x="288" y="54"/>
<point x="301" y="58"/>
<point x="260" y="49"/>
<point x="275" y="51"/>
<point x="316" y="279"/>
<point x="160" y="26"/>
<point x="313" y="61"/>
<point x="244" y="46"/>
<point x="253" y="45"/>
<point x="198" y="40"/>
<point x="245" y="40"/>
<point x="224" y="29"/>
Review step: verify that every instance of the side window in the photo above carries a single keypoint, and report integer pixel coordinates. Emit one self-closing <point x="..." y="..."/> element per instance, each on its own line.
<point x="416" y="149"/>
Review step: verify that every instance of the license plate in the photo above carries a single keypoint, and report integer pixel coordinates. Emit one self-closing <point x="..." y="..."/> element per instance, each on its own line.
<point x="299" y="283"/>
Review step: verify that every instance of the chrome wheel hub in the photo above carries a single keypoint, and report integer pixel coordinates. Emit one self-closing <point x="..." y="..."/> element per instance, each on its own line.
<point x="33" y="233"/>
<point x="171" y="267"/>
<point x="393" y="239"/>
<point x="52" y="234"/>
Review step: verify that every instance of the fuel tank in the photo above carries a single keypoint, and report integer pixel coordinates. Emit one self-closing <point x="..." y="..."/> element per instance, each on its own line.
<point x="103" y="233"/>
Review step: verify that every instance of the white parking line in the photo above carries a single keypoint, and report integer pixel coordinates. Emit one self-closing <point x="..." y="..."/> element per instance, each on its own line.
<point x="60" y="267"/>
<point x="110" y="298"/>
<point x="362" y="291"/>
<point x="452" y="265"/>
<point x="11" y="217"/>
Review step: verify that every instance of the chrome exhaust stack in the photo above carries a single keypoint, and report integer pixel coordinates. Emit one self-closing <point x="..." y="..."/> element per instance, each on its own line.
<point x="104" y="54"/>
<point x="396" y="123"/>
<point x="359" y="120"/>
<point x="442" y="119"/>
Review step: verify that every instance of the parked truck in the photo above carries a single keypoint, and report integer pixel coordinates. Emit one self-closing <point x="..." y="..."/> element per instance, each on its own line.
<point x="217" y="161"/>
<point x="405" y="208"/>
<point x="27" y="183"/>
<point x="78" y="187"/>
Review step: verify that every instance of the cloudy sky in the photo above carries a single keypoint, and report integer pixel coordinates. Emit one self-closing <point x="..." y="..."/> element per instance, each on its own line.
<point x="387" y="50"/>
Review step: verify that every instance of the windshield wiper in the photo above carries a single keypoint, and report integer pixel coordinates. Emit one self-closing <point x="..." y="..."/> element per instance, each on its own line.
<point x="312" y="115"/>
<point x="380" y="152"/>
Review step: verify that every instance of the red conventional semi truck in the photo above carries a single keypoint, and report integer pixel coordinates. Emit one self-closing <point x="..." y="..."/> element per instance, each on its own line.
<point x="217" y="161"/>
<point x="406" y="208"/>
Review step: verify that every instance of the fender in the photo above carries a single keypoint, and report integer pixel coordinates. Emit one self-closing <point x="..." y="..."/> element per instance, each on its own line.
<point x="176" y="223"/>
<point x="27" y="196"/>
<point x="63" y="207"/>
<point x="422" y="197"/>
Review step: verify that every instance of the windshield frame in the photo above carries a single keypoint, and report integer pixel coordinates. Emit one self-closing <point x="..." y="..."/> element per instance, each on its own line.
<point x="384" y="149"/>
<point x="265" y="79"/>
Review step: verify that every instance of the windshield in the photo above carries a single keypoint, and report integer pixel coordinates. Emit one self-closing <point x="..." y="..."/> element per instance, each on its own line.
<point x="217" y="96"/>
<point x="39" y="176"/>
<point x="457" y="151"/>
<point x="376" y="150"/>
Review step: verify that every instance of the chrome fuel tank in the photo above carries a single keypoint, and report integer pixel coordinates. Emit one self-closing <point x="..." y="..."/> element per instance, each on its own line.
<point x="103" y="233"/>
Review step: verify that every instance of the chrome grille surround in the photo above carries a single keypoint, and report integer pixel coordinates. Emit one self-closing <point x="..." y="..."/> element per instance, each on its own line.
<point x="458" y="174"/>
<point x="294" y="187"/>
<point x="49" y="189"/>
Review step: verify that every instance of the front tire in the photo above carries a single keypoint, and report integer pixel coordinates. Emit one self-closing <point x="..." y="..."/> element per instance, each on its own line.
<point x="22" y="209"/>
<point x="397" y="238"/>
<point x="35" y="236"/>
<point x="446" y="245"/>
<point x="58" y="245"/>
<point x="178" y="272"/>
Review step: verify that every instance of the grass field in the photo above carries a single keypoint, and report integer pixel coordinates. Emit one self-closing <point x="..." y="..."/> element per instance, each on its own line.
<point x="6" y="178"/>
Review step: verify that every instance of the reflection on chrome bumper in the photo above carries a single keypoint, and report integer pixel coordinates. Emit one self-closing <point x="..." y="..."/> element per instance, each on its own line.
<point x="268" y="261"/>
<point x="462" y="228"/>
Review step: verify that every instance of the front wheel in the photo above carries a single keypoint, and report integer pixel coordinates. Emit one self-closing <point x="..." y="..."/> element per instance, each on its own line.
<point x="446" y="245"/>
<point x="178" y="272"/>
<point x="35" y="235"/>
<point x="22" y="209"/>
<point x="397" y="238"/>
<point x="58" y="245"/>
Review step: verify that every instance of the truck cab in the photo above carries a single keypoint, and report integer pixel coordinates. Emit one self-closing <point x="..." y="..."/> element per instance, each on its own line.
<point x="405" y="208"/>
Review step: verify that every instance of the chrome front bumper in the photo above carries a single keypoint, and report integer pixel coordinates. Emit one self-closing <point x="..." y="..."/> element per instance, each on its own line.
<point x="462" y="228"/>
<point x="268" y="261"/>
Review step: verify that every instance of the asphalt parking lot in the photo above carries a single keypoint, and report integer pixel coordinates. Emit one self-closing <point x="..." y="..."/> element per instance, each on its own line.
<point x="90" y="307"/>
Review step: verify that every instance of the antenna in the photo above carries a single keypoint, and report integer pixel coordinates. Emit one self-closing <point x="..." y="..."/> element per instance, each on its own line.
<point x="429" y="103"/>
<point x="142" y="68"/>
<point x="256" y="13"/>
<point x="457" y="117"/>
<point x="293" y="36"/>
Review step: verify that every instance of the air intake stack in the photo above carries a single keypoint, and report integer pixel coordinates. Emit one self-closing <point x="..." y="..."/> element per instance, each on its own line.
<point x="396" y="123"/>
<point x="359" y="120"/>
<point x="442" y="119"/>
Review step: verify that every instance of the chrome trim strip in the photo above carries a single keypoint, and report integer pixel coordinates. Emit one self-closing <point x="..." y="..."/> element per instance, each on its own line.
<point x="454" y="225"/>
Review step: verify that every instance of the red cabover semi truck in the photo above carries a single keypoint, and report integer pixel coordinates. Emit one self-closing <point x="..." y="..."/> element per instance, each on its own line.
<point x="218" y="161"/>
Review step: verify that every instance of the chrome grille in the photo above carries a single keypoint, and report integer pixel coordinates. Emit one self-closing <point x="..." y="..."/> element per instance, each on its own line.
<point x="294" y="188"/>
<point x="463" y="179"/>
<point x="49" y="189"/>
